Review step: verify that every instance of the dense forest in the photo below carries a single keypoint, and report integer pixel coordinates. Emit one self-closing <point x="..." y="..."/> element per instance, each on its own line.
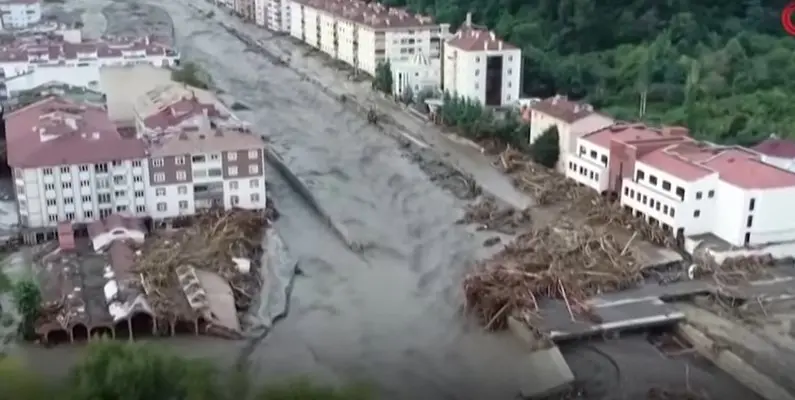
<point x="721" y="68"/>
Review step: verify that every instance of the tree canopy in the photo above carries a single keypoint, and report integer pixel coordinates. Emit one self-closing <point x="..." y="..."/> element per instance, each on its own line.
<point x="114" y="370"/>
<point x="721" y="68"/>
<point x="546" y="149"/>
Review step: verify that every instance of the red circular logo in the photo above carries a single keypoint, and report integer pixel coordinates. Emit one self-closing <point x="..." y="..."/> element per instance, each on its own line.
<point x="786" y="19"/>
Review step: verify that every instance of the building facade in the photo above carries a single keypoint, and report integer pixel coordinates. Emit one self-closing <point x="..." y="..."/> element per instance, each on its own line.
<point x="417" y="75"/>
<point x="245" y="9"/>
<point x="274" y="14"/>
<point x="692" y="188"/>
<point x="70" y="164"/>
<point x="19" y="14"/>
<point x="479" y="65"/>
<point x="572" y="119"/>
<point x="364" y="34"/>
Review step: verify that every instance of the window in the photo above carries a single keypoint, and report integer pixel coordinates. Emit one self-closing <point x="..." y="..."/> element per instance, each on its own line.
<point x="161" y="207"/>
<point x="47" y="171"/>
<point x="119" y="180"/>
<point x="751" y="205"/>
<point x="231" y="155"/>
<point x="121" y="208"/>
<point x="51" y="202"/>
<point x="179" y="160"/>
<point x="477" y="72"/>
<point x="49" y="186"/>
<point x="84" y="168"/>
<point x="101" y="168"/>
<point x="711" y="194"/>
<point x="593" y="154"/>
<point x="214" y="172"/>
<point x="86" y="199"/>
<point x="255" y="197"/>
<point x="699" y="195"/>
<point x="254" y="183"/>
<point x="139" y="193"/>
<point x="88" y="214"/>
<point x="626" y="191"/>
<point x="85" y="183"/>
<point x="645" y="199"/>
<point x="197" y="159"/>
<point x="160" y="177"/>
<point x="253" y="169"/>
<point x="138" y="178"/>
<point x="234" y="200"/>
<point x="233" y="185"/>
<point x="509" y="71"/>
<point x="747" y="238"/>
<point x="104" y="212"/>
<point x="102" y="184"/>
<point x="665" y="210"/>
<point x="604" y="159"/>
<point x="680" y="192"/>
<point x="590" y="174"/>
<point x="157" y="162"/>
<point x="52" y="218"/>
<point x="136" y="163"/>
<point x="116" y="163"/>
<point x="159" y="192"/>
<point x="182" y="189"/>
<point x="477" y="59"/>
<point x="652" y="179"/>
<point x="666" y="185"/>
<point x="232" y="171"/>
<point x="582" y="150"/>
<point x="639" y="175"/>
<point x="120" y="193"/>
<point x="673" y="212"/>
<point x="182" y="176"/>
<point x="696" y="213"/>
<point x="65" y="170"/>
<point x="183" y="204"/>
<point x="70" y="216"/>
<point x="103" y="198"/>
<point x="66" y="185"/>
<point x="140" y="209"/>
<point x="749" y="221"/>
<point x="657" y="206"/>
<point x="253" y="154"/>
<point x="214" y="157"/>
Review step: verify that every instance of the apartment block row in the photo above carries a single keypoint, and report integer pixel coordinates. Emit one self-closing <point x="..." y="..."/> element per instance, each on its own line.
<point x="688" y="187"/>
<point x="70" y="162"/>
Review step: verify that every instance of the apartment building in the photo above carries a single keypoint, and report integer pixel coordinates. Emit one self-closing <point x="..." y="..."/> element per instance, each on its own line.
<point x="693" y="188"/>
<point x="364" y="34"/>
<point x="245" y="9"/>
<point x="33" y="60"/>
<point x="777" y="152"/>
<point x="573" y="120"/>
<point x="70" y="164"/>
<point x="273" y="14"/>
<point x="19" y="14"/>
<point x="481" y="66"/>
<point x="605" y="157"/>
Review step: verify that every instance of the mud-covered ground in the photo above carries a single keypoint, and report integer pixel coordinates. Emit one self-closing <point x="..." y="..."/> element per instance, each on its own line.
<point x="390" y="314"/>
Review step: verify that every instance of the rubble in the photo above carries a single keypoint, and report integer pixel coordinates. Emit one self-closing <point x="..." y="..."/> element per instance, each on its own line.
<point x="491" y="216"/>
<point x="212" y="241"/>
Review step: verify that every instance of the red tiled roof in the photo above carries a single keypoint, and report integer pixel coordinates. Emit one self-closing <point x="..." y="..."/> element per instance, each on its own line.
<point x="560" y="107"/>
<point x="53" y="48"/>
<point x="180" y="111"/>
<point x="735" y="165"/>
<point x="370" y="13"/>
<point x="56" y="131"/>
<point x="473" y="38"/>
<point x="776" y="148"/>
<point x="627" y="133"/>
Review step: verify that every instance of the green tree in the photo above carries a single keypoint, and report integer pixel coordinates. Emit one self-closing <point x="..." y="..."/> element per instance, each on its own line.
<point x="190" y="74"/>
<point x="382" y="81"/>
<point x="27" y="299"/>
<point x="546" y="149"/>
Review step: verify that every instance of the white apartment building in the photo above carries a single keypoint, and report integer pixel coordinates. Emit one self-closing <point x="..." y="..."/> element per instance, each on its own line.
<point x="777" y="152"/>
<point x="365" y="34"/>
<point x="572" y="119"/>
<point x="70" y="164"/>
<point x="273" y="14"/>
<point x="261" y="13"/>
<point x="479" y="65"/>
<point x="19" y="14"/>
<point x="416" y="75"/>
<point x="699" y="188"/>
<point x="604" y="158"/>
<point x="34" y="60"/>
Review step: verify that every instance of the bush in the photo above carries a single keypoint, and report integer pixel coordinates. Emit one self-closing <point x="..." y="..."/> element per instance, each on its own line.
<point x="382" y="81"/>
<point x="546" y="149"/>
<point x="190" y="74"/>
<point x="27" y="299"/>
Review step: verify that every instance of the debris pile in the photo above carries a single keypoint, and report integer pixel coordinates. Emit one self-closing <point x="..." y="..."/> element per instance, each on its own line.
<point x="734" y="270"/>
<point x="491" y="216"/>
<point x="567" y="263"/>
<point x="210" y="242"/>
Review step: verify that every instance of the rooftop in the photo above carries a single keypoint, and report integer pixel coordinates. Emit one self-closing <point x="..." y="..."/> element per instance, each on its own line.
<point x="123" y="85"/>
<point x="629" y="133"/>
<point x="735" y="165"/>
<point x="44" y="48"/>
<point x="171" y="104"/>
<point x="57" y="131"/>
<point x="204" y="139"/>
<point x="775" y="147"/>
<point x="476" y="38"/>
<point x="560" y="107"/>
<point x="371" y="14"/>
<point x="52" y="88"/>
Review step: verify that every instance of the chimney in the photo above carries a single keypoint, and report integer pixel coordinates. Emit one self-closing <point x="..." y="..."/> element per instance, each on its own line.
<point x="468" y="21"/>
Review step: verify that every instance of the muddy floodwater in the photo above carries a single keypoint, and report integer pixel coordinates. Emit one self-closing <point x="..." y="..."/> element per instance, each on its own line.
<point x="390" y="314"/>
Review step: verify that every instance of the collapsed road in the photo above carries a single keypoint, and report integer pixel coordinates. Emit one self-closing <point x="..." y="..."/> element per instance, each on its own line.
<point x="389" y="314"/>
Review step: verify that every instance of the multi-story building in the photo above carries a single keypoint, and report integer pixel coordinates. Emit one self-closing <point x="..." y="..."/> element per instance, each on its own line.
<point x="245" y="9"/>
<point x="416" y="75"/>
<point x="273" y="14"/>
<point x="19" y="14"/>
<point x="70" y="164"/>
<point x="364" y="34"/>
<point x="33" y="60"/>
<point x="695" y="188"/>
<point x="778" y="152"/>
<point x="605" y="157"/>
<point x="573" y="120"/>
<point x="261" y="12"/>
<point x="481" y="66"/>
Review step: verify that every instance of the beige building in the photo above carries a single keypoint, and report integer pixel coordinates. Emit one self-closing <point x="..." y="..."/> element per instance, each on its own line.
<point x="365" y="34"/>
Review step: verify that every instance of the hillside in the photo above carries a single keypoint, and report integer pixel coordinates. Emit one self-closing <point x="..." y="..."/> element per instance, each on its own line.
<point x="721" y="68"/>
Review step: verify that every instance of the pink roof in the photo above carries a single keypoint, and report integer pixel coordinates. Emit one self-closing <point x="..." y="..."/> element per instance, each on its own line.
<point x="56" y="131"/>
<point x="735" y="165"/>
<point x="626" y="133"/>
<point x="178" y="112"/>
<point x="473" y="38"/>
<point x="53" y="48"/>
<point x="773" y="147"/>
